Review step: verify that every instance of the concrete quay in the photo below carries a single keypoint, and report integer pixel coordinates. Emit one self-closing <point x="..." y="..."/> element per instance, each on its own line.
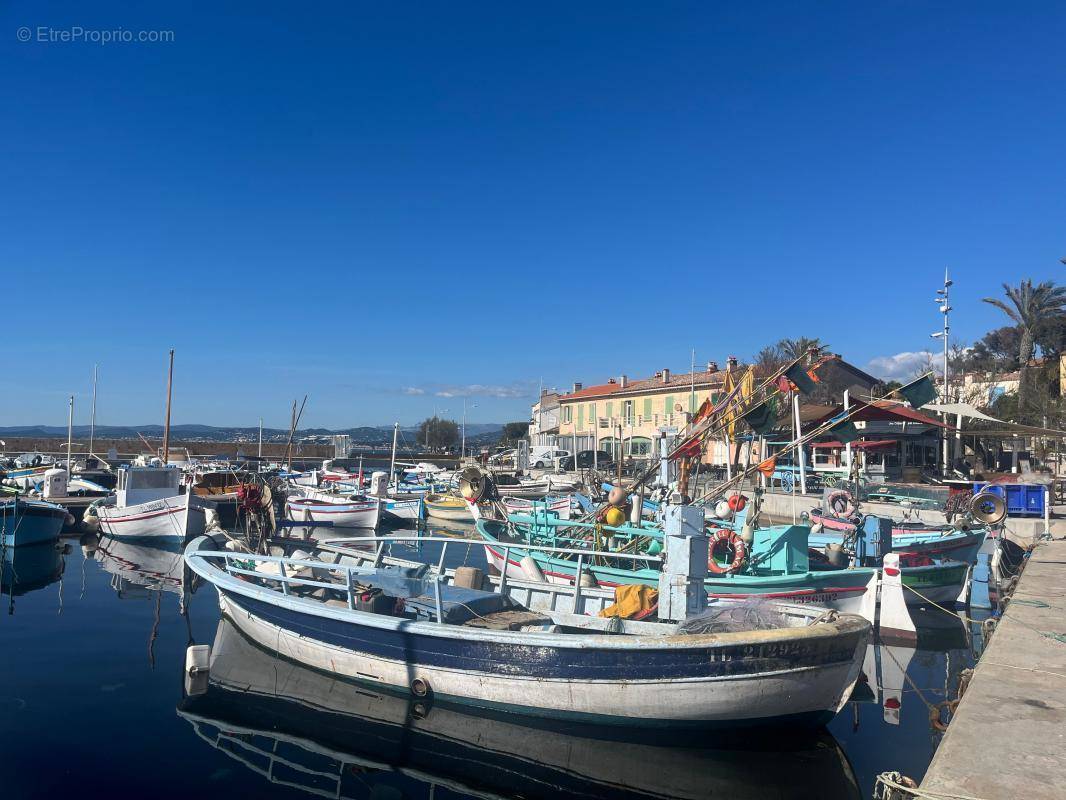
<point x="1007" y="738"/>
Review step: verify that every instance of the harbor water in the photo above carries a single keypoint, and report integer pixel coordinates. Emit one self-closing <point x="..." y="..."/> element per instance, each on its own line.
<point x="94" y="701"/>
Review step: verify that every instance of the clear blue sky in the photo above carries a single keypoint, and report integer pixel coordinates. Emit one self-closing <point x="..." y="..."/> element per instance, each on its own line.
<point x="381" y="203"/>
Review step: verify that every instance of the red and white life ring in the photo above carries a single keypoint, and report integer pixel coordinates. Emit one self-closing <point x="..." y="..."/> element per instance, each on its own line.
<point x="740" y="552"/>
<point x="840" y="504"/>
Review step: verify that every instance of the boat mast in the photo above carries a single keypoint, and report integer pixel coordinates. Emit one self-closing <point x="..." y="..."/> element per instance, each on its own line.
<point x="166" y="425"/>
<point x="92" y="418"/>
<point x="70" y="435"/>
<point x="260" y="437"/>
<point x="392" y="463"/>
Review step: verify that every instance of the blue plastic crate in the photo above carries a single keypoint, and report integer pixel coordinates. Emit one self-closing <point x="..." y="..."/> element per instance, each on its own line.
<point x="1022" y="499"/>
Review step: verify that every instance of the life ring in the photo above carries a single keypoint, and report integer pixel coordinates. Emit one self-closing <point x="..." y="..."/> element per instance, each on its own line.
<point x="840" y="504"/>
<point x="740" y="552"/>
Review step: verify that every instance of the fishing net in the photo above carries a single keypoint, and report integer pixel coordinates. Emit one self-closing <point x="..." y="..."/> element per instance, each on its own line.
<point x="751" y="615"/>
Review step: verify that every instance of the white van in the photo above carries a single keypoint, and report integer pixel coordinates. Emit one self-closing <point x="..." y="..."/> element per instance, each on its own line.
<point x="542" y="457"/>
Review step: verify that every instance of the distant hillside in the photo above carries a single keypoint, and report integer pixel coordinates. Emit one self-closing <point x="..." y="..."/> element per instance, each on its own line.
<point x="361" y="435"/>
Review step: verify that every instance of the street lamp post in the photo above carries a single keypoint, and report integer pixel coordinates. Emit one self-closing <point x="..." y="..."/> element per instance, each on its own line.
<point x="945" y="309"/>
<point x="462" y="455"/>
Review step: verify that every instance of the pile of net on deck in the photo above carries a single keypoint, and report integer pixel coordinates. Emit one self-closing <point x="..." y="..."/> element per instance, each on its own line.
<point x="751" y="615"/>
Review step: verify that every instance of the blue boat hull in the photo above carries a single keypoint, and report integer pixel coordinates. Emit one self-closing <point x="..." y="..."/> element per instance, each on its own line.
<point x="23" y="524"/>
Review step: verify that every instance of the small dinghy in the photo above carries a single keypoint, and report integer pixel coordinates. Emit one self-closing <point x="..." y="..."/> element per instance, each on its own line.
<point x="448" y="507"/>
<point x="542" y="649"/>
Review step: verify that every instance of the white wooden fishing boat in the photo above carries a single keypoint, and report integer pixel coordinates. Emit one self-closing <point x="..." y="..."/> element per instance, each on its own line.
<point x="149" y="504"/>
<point x="533" y="648"/>
<point x="520" y="505"/>
<point x="294" y="726"/>
<point x="315" y="505"/>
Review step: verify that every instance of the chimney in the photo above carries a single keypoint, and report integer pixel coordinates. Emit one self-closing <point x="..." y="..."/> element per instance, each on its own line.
<point x="666" y="376"/>
<point x="712" y="366"/>
<point x="623" y="381"/>
<point x="730" y="363"/>
<point x="577" y="386"/>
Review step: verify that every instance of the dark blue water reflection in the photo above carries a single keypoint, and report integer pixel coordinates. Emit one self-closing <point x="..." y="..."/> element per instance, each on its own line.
<point x="92" y="703"/>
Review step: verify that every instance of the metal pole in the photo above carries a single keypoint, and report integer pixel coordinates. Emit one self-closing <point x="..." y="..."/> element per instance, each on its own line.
<point x="166" y="426"/>
<point x="260" y="437"/>
<point x="799" y="449"/>
<point x="847" y="446"/>
<point x="92" y="418"/>
<point x="70" y="436"/>
<point x="462" y="455"/>
<point x="392" y="461"/>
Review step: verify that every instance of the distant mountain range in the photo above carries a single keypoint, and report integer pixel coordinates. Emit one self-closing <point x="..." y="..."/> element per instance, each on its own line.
<point x="381" y="434"/>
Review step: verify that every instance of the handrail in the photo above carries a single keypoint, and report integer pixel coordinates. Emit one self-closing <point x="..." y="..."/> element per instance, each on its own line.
<point x="351" y="540"/>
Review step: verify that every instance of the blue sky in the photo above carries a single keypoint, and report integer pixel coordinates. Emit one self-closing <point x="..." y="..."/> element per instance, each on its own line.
<point x="393" y="206"/>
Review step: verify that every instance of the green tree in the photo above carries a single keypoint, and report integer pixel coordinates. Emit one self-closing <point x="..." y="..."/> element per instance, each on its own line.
<point x="439" y="434"/>
<point x="1029" y="306"/>
<point x="513" y="432"/>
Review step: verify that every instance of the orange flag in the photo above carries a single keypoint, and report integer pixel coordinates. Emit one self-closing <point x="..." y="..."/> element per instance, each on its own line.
<point x="768" y="466"/>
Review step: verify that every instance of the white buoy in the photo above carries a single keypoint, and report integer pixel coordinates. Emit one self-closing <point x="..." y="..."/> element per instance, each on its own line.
<point x="531" y="569"/>
<point x="197" y="669"/>
<point x="896" y="620"/>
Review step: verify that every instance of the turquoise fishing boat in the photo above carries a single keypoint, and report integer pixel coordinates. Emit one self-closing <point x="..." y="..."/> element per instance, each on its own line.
<point x="779" y="568"/>
<point x="781" y="564"/>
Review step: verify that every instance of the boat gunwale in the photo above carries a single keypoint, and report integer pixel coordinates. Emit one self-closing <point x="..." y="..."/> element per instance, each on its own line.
<point x="199" y="561"/>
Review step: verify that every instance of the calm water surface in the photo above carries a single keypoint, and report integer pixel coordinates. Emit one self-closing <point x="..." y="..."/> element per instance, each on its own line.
<point x="92" y="703"/>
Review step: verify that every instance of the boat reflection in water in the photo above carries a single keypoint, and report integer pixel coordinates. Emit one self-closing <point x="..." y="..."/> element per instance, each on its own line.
<point x="139" y="569"/>
<point x="302" y="728"/>
<point x="29" y="568"/>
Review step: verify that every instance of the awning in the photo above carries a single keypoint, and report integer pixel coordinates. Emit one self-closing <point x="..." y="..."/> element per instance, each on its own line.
<point x="876" y="444"/>
<point x="872" y="445"/>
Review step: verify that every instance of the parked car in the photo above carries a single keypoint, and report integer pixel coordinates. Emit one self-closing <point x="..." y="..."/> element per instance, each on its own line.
<point x="586" y="460"/>
<point x="541" y="457"/>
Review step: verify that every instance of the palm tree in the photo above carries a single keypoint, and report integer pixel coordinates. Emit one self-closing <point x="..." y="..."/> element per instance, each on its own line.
<point x="795" y="348"/>
<point x="1028" y="306"/>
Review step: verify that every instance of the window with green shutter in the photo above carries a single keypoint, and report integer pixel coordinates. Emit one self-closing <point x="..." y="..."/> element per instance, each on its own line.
<point x="581" y="416"/>
<point x="647" y="408"/>
<point x="668" y="404"/>
<point x="610" y="409"/>
<point x="592" y="415"/>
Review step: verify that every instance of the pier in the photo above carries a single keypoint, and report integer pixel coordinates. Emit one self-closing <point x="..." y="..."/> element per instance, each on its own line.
<point x="1008" y="736"/>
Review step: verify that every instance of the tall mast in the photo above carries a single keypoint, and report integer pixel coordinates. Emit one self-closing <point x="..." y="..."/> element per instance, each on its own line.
<point x="392" y="463"/>
<point x="260" y="437"/>
<point x="92" y="418"/>
<point x="166" y="425"/>
<point x="70" y="436"/>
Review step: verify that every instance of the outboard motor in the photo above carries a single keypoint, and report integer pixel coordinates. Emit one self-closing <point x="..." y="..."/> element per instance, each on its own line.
<point x="873" y="538"/>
